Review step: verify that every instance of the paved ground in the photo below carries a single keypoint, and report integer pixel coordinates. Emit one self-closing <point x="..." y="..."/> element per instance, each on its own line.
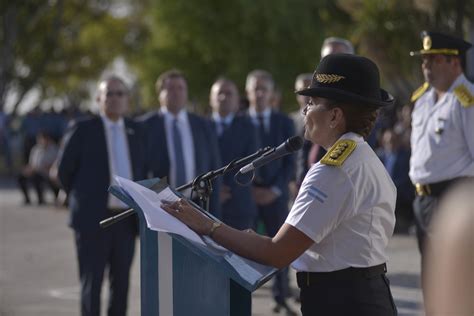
<point x="38" y="272"/>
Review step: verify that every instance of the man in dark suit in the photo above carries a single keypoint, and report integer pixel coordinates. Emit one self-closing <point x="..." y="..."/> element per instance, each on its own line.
<point x="236" y="139"/>
<point x="301" y="157"/>
<point x="94" y="150"/>
<point x="180" y="145"/>
<point x="271" y="180"/>
<point x="396" y="159"/>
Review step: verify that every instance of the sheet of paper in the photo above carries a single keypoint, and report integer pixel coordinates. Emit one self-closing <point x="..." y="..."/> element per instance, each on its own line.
<point x="157" y="218"/>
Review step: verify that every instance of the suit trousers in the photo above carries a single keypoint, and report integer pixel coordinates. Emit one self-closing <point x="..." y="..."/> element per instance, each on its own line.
<point x="273" y="217"/>
<point x="355" y="296"/>
<point x="112" y="249"/>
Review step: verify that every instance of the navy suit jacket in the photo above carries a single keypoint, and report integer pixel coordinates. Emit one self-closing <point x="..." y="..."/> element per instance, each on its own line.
<point x="280" y="171"/>
<point x="238" y="141"/>
<point x="399" y="173"/>
<point x="83" y="169"/>
<point x="205" y="149"/>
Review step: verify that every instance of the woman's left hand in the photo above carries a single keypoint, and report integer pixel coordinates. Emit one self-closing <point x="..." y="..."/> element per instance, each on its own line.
<point x="186" y="213"/>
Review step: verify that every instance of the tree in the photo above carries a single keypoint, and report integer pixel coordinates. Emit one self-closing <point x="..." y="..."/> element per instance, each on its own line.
<point x="58" y="46"/>
<point x="231" y="38"/>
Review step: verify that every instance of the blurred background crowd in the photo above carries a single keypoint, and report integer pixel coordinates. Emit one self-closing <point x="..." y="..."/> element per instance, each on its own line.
<point x="54" y="52"/>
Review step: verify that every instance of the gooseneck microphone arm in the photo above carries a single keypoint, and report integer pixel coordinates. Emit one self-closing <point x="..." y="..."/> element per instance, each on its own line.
<point x="200" y="184"/>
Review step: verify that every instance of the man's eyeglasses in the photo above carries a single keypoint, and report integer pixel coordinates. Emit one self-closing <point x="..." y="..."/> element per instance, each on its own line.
<point x="116" y="93"/>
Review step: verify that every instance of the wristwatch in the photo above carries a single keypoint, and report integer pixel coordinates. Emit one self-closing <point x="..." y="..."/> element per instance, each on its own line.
<point x="215" y="225"/>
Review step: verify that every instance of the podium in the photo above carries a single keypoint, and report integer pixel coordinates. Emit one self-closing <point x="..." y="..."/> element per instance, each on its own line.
<point x="179" y="277"/>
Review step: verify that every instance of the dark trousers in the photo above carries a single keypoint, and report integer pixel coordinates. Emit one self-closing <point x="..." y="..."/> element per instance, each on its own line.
<point x="355" y="296"/>
<point x="424" y="208"/>
<point x="38" y="180"/>
<point x="110" y="248"/>
<point x="273" y="217"/>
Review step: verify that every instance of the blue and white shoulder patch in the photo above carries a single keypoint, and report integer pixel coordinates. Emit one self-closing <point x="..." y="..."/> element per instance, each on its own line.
<point x="317" y="194"/>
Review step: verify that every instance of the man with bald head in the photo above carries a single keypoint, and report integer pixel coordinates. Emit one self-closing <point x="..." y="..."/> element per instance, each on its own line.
<point x="94" y="150"/>
<point x="336" y="45"/>
<point x="236" y="139"/>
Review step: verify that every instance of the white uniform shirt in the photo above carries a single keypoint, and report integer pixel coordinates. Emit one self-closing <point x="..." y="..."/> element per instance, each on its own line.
<point x="348" y="211"/>
<point x="186" y="142"/>
<point x="442" y="138"/>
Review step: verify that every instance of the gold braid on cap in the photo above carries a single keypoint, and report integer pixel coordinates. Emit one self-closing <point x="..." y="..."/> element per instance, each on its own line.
<point x="328" y="78"/>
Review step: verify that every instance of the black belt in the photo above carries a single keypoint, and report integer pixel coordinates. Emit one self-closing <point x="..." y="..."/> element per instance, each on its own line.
<point x="434" y="189"/>
<point x="309" y="278"/>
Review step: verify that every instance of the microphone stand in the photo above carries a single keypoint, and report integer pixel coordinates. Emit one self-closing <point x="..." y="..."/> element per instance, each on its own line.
<point x="202" y="184"/>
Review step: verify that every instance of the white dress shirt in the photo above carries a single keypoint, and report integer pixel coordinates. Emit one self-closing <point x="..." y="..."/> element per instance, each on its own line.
<point x="186" y="141"/>
<point x="348" y="211"/>
<point x="442" y="137"/>
<point x="124" y="159"/>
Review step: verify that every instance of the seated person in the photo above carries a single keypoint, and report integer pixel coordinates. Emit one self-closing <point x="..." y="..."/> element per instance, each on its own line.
<point x="41" y="159"/>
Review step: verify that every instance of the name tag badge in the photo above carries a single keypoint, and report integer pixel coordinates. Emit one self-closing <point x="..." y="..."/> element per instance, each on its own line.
<point x="440" y="125"/>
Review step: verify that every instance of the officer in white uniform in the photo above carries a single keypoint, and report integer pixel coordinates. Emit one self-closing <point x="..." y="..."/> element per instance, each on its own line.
<point x="338" y="229"/>
<point x="442" y="140"/>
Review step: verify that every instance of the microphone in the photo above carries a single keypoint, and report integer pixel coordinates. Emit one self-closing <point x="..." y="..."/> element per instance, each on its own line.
<point x="291" y="145"/>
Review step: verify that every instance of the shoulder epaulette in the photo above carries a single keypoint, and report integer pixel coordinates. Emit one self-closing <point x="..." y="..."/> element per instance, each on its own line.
<point x="339" y="152"/>
<point x="419" y="92"/>
<point x="464" y="96"/>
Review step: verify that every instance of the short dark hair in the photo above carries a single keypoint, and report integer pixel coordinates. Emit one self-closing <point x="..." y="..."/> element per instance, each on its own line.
<point x="360" y="118"/>
<point x="169" y="74"/>
<point x="260" y="73"/>
<point x="224" y="79"/>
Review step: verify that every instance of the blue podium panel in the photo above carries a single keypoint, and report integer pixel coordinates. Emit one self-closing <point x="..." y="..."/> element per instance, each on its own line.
<point x="180" y="278"/>
<point x="197" y="285"/>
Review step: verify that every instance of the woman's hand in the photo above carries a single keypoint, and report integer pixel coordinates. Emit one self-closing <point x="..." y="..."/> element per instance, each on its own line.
<point x="190" y="216"/>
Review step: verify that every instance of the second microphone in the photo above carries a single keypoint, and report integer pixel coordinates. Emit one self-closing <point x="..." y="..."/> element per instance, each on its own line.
<point x="291" y="145"/>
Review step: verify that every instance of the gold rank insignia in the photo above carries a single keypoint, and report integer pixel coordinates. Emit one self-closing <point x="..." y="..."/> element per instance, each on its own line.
<point x="419" y="92"/>
<point x="328" y="78"/>
<point x="464" y="96"/>
<point x="339" y="152"/>
<point x="427" y="42"/>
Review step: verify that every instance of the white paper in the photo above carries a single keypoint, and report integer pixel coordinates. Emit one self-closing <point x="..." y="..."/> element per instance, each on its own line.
<point x="157" y="218"/>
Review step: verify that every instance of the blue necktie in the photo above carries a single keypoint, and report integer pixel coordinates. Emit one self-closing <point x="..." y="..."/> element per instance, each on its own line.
<point x="222" y="128"/>
<point x="261" y="130"/>
<point x="178" y="155"/>
<point x="261" y="172"/>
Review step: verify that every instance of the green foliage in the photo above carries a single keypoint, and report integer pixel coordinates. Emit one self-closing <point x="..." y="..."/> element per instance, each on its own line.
<point x="58" y="46"/>
<point x="213" y="38"/>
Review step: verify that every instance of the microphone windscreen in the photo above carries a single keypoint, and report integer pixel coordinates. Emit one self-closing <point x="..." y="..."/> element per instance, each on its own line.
<point x="294" y="143"/>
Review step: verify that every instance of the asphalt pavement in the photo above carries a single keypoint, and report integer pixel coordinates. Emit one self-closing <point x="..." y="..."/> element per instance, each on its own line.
<point x="38" y="269"/>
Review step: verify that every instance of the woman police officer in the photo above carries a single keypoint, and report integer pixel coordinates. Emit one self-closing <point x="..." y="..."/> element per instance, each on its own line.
<point x="338" y="228"/>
